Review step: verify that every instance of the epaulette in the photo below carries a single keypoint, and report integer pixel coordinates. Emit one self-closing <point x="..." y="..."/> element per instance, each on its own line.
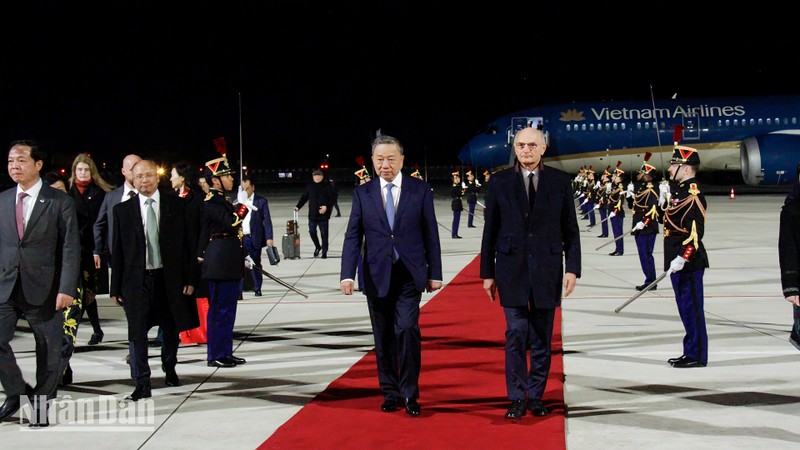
<point x="693" y="189"/>
<point x="212" y="193"/>
<point x="209" y="196"/>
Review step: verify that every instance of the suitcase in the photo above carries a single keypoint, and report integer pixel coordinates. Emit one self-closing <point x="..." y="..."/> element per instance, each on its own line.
<point x="291" y="240"/>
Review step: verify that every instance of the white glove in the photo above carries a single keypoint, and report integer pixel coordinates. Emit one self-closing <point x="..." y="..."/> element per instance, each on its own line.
<point x="248" y="262"/>
<point x="609" y="186"/>
<point x="241" y="199"/>
<point x="585" y="182"/>
<point x="585" y="201"/>
<point x="677" y="264"/>
<point x="597" y="206"/>
<point x="663" y="194"/>
<point x="241" y="196"/>
<point x="463" y="185"/>
<point x="639" y="226"/>
<point x="477" y="183"/>
<point x="613" y="214"/>
<point x="582" y="195"/>
<point x="597" y="185"/>
<point x="629" y="192"/>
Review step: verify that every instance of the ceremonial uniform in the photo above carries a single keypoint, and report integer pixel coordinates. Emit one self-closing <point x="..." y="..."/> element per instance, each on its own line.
<point x="603" y="202"/>
<point x="617" y="216"/>
<point x="684" y="224"/>
<point x="646" y="213"/>
<point x="472" y="197"/>
<point x="223" y="255"/>
<point x="456" y="192"/>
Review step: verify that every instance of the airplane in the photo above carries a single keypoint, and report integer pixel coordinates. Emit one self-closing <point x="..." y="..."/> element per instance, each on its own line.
<point x="758" y="136"/>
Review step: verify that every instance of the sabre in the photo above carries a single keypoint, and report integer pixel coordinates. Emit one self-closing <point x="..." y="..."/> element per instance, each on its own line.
<point x="640" y="293"/>
<point x="248" y="262"/>
<point x="615" y="239"/>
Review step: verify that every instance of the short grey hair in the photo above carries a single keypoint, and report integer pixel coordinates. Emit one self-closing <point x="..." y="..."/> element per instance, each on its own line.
<point x="386" y="139"/>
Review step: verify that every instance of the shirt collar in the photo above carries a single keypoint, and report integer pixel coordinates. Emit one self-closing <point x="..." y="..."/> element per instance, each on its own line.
<point x="156" y="198"/>
<point x="397" y="182"/>
<point x="33" y="192"/>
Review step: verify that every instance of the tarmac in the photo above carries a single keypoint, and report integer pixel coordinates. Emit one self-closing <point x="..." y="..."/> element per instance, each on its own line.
<point x="619" y="390"/>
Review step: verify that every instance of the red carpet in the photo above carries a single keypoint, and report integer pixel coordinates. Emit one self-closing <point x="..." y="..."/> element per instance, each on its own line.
<point x="462" y="388"/>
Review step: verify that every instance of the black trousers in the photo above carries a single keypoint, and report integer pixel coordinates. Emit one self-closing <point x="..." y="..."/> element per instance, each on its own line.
<point x="398" y="341"/>
<point x="46" y="324"/>
<point x="323" y="231"/>
<point x="154" y="309"/>
<point x="528" y="328"/>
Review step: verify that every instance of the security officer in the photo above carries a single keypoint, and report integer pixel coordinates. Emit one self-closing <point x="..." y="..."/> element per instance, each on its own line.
<point x="684" y="255"/>
<point x="645" y="221"/>
<point x="222" y="254"/>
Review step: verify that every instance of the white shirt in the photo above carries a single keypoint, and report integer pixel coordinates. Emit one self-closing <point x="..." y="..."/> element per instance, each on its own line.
<point x="125" y="190"/>
<point x="246" y="220"/>
<point x="397" y="182"/>
<point x="525" y="174"/>
<point x="30" y="200"/>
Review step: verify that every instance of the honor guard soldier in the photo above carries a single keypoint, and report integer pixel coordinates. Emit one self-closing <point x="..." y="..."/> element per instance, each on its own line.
<point x="473" y="187"/>
<point x="222" y="255"/>
<point x="617" y="207"/>
<point x="456" y="192"/>
<point x="589" y="197"/>
<point x="602" y="205"/>
<point x="645" y="221"/>
<point x="684" y="255"/>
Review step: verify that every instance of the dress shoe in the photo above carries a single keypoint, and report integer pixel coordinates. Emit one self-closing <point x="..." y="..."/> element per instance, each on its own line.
<point x="471" y="226"/>
<point x="687" y="363"/>
<point x="389" y="405"/>
<point x="516" y="410"/>
<point x="257" y="293"/>
<point x="794" y="338"/>
<point x="171" y="378"/>
<point x="537" y="408"/>
<point x="141" y="391"/>
<point x="603" y="236"/>
<point x="456" y="237"/>
<point x="412" y="407"/>
<point x="672" y="361"/>
<point x="9" y="407"/>
<point x="222" y="362"/>
<point x="324" y="256"/>
<point x="237" y="360"/>
<point x="316" y="252"/>
<point x="615" y="254"/>
<point x="641" y="287"/>
<point x="96" y="338"/>
<point x="155" y="343"/>
<point x="66" y="377"/>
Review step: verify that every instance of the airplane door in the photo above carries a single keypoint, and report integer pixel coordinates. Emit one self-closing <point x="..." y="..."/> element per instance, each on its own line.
<point x="691" y="129"/>
<point x="518" y="123"/>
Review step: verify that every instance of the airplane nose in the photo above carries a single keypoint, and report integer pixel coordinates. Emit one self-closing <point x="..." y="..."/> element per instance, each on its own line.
<point x="486" y="151"/>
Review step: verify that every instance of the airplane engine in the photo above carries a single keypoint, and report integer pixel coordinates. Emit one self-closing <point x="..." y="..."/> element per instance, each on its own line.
<point x="765" y="160"/>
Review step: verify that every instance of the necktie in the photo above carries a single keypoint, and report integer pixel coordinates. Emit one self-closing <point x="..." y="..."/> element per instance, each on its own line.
<point x="131" y="194"/>
<point x="531" y="191"/>
<point x="153" y="250"/>
<point x="390" y="215"/>
<point x="20" y="214"/>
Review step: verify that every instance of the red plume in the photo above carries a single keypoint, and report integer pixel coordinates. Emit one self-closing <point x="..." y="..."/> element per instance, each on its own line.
<point x="647" y="156"/>
<point x="619" y="163"/>
<point x="416" y="166"/>
<point x="677" y="133"/>
<point x="360" y="161"/>
<point x="458" y="168"/>
<point x="220" y="144"/>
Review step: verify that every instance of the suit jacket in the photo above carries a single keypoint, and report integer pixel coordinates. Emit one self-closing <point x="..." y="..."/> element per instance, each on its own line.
<point x="128" y="261"/>
<point x="526" y="251"/>
<point x="415" y="236"/>
<point x="317" y="194"/>
<point x="105" y="222"/>
<point x="47" y="258"/>
<point x="260" y="222"/>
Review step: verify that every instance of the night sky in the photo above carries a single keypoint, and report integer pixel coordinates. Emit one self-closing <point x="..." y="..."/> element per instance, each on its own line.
<point x="163" y="79"/>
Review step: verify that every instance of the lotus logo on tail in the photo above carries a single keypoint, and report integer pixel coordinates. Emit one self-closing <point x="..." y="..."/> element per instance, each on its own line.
<point x="572" y="115"/>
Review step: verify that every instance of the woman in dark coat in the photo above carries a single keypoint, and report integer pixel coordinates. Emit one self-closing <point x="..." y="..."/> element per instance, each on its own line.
<point x="456" y="192"/>
<point x="789" y="257"/>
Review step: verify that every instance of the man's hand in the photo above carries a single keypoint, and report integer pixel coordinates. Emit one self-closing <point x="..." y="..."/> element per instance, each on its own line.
<point x="793" y="299"/>
<point x="677" y="264"/>
<point x="119" y="300"/>
<point x="97" y="261"/>
<point x="597" y="206"/>
<point x="63" y="301"/>
<point x="433" y="286"/>
<point x="188" y="289"/>
<point x="347" y="287"/>
<point x="639" y="226"/>
<point x="270" y="243"/>
<point x="585" y="201"/>
<point x="322" y="209"/>
<point x="570" y="280"/>
<point x="490" y="287"/>
<point x="663" y="194"/>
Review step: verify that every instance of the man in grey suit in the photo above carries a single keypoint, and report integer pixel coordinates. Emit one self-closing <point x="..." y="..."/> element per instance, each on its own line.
<point x="105" y="219"/>
<point x="530" y="234"/>
<point x="39" y="270"/>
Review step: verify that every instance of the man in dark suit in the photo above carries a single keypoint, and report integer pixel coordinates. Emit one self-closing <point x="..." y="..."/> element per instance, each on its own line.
<point x="39" y="263"/>
<point x="319" y="196"/>
<point x="257" y="229"/>
<point x="530" y="233"/>
<point x="152" y="273"/>
<point x="394" y="218"/>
